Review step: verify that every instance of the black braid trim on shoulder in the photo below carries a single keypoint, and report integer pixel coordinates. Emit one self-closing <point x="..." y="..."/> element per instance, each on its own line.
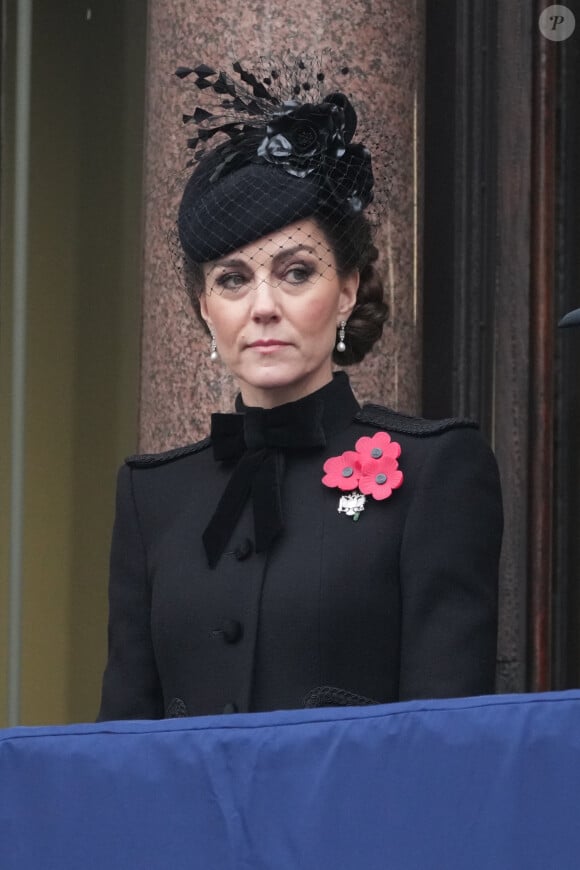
<point x="386" y="418"/>
<point x="150" y="460"/>
<point x="176" y="710"/>
<point x="329" y="696"/>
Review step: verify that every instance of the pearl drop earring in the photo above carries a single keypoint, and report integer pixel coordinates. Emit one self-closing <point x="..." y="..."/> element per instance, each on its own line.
<point x="340" y="345"/>
<point x="213" y="354"/>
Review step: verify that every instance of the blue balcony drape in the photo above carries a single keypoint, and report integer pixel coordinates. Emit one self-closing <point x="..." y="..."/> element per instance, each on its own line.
<point x="467" y="784"/>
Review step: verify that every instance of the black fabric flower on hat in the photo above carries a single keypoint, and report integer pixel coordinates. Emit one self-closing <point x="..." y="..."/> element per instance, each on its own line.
<point x="301" y="136"/>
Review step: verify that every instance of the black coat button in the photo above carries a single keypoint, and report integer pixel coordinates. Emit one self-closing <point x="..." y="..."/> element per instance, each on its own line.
<point x="230" y="708"/>
<point x="231" y="630"/>
<point x="245" y="549"/>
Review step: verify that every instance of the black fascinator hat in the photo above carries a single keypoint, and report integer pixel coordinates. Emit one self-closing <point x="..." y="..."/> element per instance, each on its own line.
<point x="279" y="161"/>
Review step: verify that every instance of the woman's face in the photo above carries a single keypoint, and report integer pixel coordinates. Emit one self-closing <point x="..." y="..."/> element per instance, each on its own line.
<point x="274" y="307"/>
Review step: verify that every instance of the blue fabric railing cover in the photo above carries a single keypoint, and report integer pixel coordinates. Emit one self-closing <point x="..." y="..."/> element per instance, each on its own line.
<point x="469" y="784"/>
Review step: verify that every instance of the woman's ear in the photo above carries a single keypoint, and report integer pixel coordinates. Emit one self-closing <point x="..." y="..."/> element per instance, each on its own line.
<point x="348" y="292"/>
<point x="204" y="312"/>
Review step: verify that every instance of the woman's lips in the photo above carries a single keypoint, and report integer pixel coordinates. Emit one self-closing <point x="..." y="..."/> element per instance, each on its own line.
<point x="267" y="345"/>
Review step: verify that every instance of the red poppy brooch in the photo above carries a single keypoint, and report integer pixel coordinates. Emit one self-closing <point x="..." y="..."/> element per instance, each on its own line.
<point x="370" y="469"/>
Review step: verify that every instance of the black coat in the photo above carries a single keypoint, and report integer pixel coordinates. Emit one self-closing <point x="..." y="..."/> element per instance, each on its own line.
<point x="400" y="604"/>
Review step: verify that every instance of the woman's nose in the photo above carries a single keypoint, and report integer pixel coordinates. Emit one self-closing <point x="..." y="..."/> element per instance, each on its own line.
<point x="265" y="301"/>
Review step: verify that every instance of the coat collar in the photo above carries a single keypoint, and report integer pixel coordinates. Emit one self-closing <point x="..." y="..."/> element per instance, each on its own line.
<point x="259" y="439"/>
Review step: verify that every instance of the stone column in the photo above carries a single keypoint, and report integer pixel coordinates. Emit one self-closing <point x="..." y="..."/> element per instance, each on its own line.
<point x="382" y="42"/>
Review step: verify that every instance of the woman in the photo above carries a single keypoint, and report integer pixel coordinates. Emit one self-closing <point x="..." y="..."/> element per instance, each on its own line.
<point x="308" y="551"/>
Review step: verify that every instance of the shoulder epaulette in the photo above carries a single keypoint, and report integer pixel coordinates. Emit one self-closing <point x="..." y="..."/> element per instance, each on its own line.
<point x="150" y="460"/>
<point x="386" y="418"/>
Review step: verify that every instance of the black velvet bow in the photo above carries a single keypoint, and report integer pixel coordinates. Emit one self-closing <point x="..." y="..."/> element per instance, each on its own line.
<point x="258" y="438"/>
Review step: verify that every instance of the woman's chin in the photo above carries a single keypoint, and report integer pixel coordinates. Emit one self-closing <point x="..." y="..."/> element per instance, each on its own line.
<point x="279" y="384"/>
<point x="271" y="373"/>
<point x="272" y="377"/>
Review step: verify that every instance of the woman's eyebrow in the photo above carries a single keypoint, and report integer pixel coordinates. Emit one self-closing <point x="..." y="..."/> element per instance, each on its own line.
<point x="236" y="263"/>
<point x="286" y="253"/>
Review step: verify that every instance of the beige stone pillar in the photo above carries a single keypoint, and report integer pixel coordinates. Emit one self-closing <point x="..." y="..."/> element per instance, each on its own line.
<point x="383" y="39"/>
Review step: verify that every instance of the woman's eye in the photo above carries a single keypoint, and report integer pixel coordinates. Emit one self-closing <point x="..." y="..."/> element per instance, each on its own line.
<point x="298" y="274"/>
<point x="231" y="281"/>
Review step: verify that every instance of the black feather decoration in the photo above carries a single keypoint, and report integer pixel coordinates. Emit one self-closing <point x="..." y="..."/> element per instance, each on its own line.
<point x="253" y="108"/>
<point x="205" y="135"/>
<point x="247" y="77"/>
<point x="201" y="115"/>
<point x="235" y="105"/>
<point x="232" y="130"/>
<point x="203" y="71"/>
<point x="223" y="86"/>
<point x="241" y="109"/>
<point x="263" y="93"/>
<point x="258" y="88"/>
<point x="183" y="71"/>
